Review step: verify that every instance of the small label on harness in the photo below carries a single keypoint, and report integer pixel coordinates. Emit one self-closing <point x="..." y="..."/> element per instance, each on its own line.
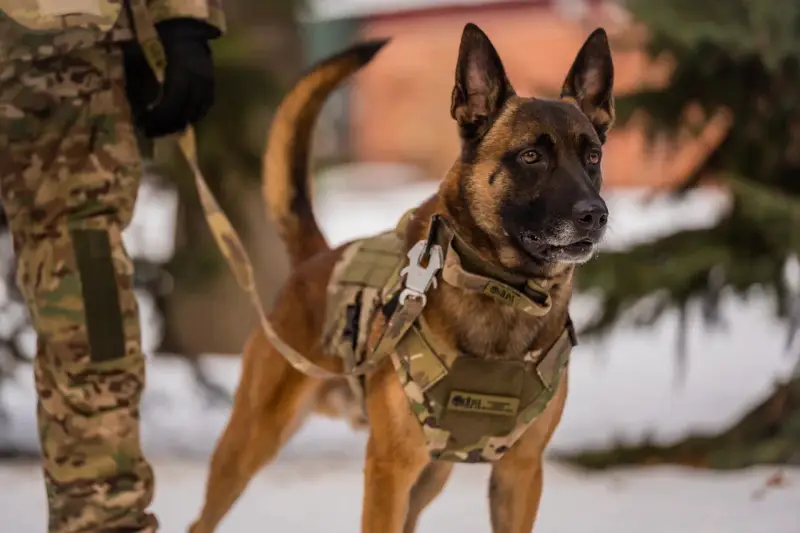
<point x="469" y="402"/>
<point x="500" y="292"/>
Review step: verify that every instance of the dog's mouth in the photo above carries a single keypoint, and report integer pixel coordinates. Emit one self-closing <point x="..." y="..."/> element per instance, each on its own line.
<point x="578" y="251"/>
<point x="582" y="246"/>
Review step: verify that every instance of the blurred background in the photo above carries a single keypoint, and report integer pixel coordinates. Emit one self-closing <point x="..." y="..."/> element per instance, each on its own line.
<point x="684" y="406"/>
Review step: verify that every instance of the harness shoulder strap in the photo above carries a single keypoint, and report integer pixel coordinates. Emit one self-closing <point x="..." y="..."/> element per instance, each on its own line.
<point x="550" y="369"/>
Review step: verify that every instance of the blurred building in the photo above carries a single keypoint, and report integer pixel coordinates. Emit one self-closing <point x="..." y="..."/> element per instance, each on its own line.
<point x="397" y="109"/>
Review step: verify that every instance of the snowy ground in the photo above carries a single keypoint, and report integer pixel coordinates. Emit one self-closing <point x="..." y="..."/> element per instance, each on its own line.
<point x="624" y="389"/>
<point x="309" y="494"/>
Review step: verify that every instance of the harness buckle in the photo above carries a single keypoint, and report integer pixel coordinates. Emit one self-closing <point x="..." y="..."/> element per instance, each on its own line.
<point x="418" y="278"/>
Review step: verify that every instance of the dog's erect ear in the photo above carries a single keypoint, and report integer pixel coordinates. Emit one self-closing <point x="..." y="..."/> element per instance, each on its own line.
<point x="481" y="86"/>
<point x="590" y="82"/>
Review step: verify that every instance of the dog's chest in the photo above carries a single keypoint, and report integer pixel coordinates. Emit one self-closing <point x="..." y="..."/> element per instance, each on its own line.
<point x="494" y="333"/>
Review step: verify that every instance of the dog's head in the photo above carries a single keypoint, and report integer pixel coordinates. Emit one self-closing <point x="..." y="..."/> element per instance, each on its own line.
<point x="529" y="174"/>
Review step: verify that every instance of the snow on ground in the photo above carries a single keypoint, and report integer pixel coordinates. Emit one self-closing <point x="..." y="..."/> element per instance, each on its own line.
<point x="311" y="494"/>
<point x="623" y="388"/>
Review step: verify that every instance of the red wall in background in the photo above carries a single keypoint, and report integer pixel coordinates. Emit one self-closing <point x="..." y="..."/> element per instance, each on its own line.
<point x="400" y="102"/>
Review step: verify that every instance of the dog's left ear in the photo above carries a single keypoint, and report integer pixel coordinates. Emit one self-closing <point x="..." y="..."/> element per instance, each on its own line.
<point x="590" y="82"/>
<point x="481" y="87"/>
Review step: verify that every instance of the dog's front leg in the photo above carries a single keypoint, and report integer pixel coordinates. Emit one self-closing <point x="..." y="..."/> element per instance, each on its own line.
<point x="515" y="486"/>
<point x="396" y="454"/>
<point x="387" y="485"/>
<point x="426" y="488"/>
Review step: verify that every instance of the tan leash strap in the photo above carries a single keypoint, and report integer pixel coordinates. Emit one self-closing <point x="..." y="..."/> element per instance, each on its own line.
<point x="225" y="235"/>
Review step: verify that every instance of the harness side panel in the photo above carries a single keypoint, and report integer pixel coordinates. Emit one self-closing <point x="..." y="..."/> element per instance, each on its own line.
<point x="362" y="279"/>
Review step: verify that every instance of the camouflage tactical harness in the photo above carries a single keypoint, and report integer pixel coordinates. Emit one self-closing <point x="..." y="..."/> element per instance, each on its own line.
<point x="471" y="410"/>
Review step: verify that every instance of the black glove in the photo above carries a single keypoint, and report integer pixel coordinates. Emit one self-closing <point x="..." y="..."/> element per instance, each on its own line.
<point x="188" y="91"/>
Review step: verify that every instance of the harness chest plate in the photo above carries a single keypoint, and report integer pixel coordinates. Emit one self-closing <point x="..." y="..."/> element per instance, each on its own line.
<point x="473" y="410"/>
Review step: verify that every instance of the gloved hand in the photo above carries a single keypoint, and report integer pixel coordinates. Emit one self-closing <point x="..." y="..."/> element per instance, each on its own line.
<point x="188" y="91"/>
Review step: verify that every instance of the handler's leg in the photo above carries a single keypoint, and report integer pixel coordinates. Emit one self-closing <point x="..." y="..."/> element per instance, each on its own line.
<point x="69" y="173"/>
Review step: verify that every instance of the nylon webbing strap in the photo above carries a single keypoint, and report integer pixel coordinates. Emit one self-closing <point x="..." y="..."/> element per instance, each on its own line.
<point x="532" y="299"/>
<point x="225" y="236"/>
<point x="397" y="325"/>
<point x="455" y="275"/>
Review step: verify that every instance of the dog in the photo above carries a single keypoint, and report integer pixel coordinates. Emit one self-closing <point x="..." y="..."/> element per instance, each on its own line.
<point x="524" y="195"/>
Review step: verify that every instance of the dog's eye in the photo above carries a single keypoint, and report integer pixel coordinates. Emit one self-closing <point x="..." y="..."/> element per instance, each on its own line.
<point x="530" y="157"/>
<point x="593" y="157"/>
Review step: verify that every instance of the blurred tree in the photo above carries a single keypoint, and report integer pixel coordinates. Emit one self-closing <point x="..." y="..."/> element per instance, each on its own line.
<point x="738" y="59"/>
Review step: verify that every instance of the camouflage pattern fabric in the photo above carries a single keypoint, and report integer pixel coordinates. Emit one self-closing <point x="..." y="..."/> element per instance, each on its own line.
<point x="47" y="15"/>
<point x="69" y="174"/>
<point x="485" y="432"/>
<point x="38" y="29"/>
<point x="366" y="273"/>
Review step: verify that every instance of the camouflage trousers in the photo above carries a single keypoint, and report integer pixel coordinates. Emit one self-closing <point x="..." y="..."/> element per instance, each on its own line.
<point x="69" y="174"/>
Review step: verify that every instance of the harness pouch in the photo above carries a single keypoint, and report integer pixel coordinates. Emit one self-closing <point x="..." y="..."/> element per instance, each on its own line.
<point x="359" y="281"/>
<point x="373" y="261"/>
<point x="339" y="298"/>
<point x="355" y="292"/>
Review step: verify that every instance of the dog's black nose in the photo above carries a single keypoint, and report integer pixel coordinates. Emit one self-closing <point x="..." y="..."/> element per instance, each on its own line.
<point x="590" y="214"/>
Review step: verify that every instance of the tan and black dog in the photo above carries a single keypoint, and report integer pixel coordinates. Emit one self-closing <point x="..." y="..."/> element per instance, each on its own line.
<point x="524" y="197"/>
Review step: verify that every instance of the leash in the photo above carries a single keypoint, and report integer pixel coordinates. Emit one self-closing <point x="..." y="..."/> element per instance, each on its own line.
<point x="228" y="241"/>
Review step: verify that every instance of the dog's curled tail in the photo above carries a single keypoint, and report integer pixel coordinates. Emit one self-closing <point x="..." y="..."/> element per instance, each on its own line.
<point x="285" y="179"/>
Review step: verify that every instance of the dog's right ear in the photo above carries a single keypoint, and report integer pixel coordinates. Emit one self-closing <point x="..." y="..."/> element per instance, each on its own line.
<point x="481" y="86"/>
